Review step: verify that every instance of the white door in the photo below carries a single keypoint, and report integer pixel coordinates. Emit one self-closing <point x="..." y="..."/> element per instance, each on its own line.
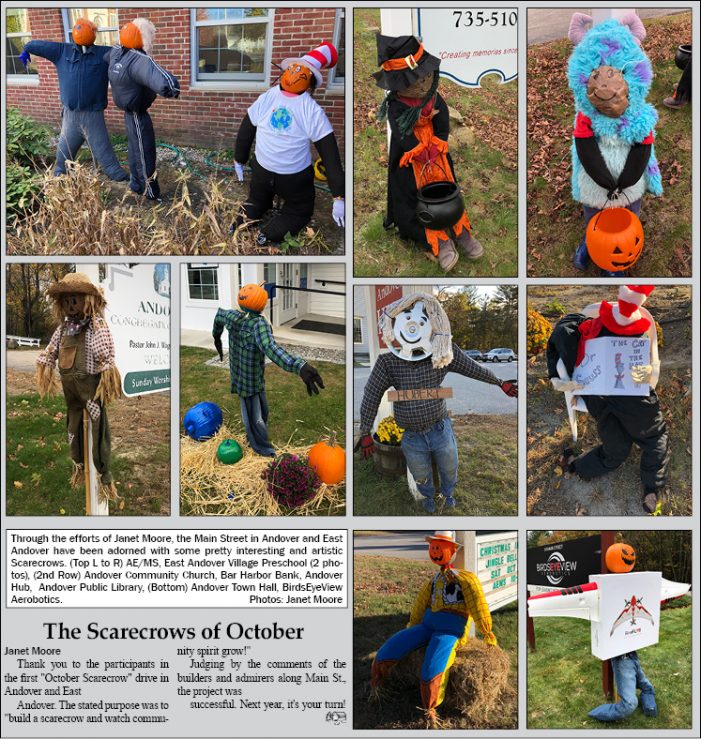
<point x="287" y="300"/>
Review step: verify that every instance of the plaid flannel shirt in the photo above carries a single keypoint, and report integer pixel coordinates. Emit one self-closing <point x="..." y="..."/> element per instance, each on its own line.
<point x="415" y="415"/>
<point x="250" y="342"/>
<point x="99" y="347"/>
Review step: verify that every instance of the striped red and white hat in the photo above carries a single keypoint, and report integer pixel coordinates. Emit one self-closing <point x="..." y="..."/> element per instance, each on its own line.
<point x="324" y="56"/>
<point x="630" y="298"/>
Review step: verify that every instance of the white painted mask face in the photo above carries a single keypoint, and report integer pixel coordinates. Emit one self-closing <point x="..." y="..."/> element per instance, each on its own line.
<point x="413" y="330"/>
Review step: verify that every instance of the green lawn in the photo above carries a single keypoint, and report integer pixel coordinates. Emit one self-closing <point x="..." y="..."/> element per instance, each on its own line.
<point x="293" y="414"/>
<point x="384" y="592"/>
<point x="555" y="222"/>
<point x="564" y="679"/>
<point x="485" y="168"/>
<point x="39" y="464"/>
<point x="487" y="475"/>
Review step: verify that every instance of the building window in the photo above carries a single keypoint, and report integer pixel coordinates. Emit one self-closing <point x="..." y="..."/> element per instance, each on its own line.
<point x="202" y="282"/>
<point x="232" y="44"/>
<point x="357" y="331"/>
<point x="18" y="34"/>
<point x="106" y="20"/>
<point x="337" y="75"/>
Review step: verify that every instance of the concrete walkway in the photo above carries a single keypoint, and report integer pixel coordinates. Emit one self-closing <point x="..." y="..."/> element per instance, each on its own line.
<point x="545" y="24"/>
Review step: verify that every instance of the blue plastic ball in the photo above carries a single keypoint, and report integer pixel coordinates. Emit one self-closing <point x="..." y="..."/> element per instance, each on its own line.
<point x="203" y="420"/>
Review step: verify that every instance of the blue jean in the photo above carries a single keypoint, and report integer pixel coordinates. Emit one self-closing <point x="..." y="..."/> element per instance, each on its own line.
<point x="629" y="677"/>
<point x="254" y="411"/>
<point x="438" y="443"/>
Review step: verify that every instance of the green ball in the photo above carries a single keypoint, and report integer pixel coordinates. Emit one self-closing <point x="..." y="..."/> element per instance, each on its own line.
<point x="229" y="451"/>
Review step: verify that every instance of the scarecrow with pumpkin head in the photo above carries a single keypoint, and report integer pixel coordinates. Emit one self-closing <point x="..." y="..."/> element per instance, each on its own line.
<point x="621" y="420"/>
<point x="426" y="354"/>
<point x="250" y="342"/>
<point x="83" y="350"/>
<point x="613" y="156"/>
<point x="439" y="621"/>
<point x="418" y="154"/>
<point x="136" y="81"/>
<point x="284" y="121"/>
<point x="82" y="82"/>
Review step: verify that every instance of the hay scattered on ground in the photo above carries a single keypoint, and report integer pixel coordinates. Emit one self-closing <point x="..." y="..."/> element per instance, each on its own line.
<point x="210" y="488"/>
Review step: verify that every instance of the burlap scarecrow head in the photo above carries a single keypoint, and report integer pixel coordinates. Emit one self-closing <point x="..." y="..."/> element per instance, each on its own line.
<point x="405" y="66"/>
<point x="74" y="297"/>
<point x="420" y="325"/>
<point x="442" y="547"/>
<point x="138" y="34"/>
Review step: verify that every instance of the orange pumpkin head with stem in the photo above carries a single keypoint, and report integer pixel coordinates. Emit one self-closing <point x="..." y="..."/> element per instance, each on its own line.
<point x="252" y="297"/>
<point x="442" y="547"/>
<point x="84" y="32"/>
<point x="615" y="239"/>
<point x="296" y="78"/>
<point x="328" y="460"/>
<point x="620" y="558"/>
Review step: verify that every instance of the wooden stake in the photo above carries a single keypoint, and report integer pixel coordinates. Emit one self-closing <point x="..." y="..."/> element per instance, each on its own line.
<point x="86" y="461"/>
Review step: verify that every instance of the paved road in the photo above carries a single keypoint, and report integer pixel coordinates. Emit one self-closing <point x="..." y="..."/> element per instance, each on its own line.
<point x="23" y="360"/>
<point x="545" y="24"/>
<point x="407" y="545"/>
<point x="469" y="396"/>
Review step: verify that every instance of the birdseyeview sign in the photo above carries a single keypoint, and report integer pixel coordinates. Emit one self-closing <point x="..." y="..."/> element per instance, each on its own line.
<point x="471" y="42"/>
<point x="563" y="564"/>
<point x="138" y="313"/>
<point x="612" y="366"/>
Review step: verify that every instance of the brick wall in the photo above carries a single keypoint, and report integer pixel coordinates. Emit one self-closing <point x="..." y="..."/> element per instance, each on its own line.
<point x="198" y="117"/>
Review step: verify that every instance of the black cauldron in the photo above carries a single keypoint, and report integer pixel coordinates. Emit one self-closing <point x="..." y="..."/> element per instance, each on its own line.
<point x="682" y="56"/>
<point x="439" y="205"/>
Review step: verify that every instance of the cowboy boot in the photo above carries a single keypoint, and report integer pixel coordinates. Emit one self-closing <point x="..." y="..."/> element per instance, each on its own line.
<point x="447" y="256"/>
<point x="469" y="245"/>
<point x="380" y="670"/>
<point x="430" y="690"/>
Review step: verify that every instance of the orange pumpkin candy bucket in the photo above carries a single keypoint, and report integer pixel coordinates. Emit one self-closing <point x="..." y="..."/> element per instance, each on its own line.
<point x="615" y="239"/>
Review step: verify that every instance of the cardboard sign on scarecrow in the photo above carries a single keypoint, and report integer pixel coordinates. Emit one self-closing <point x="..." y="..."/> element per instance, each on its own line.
<point x="611" y="366"/>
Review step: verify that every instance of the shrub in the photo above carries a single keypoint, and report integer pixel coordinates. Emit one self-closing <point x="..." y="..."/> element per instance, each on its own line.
<point x="26" y="139"/>
<point x="21" y="187"/>
<point x="538" y="330"/>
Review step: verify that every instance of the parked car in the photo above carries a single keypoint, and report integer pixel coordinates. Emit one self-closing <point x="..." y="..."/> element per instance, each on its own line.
<point x="475" y="354"/>
<point x="500" y="355"/>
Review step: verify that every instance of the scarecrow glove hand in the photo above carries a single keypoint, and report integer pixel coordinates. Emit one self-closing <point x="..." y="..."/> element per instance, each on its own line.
<point x="641" y="373"/>
<point x="238" y="168"/>
<point x="218" y="347"/>
<point x="25" y="58"/>
<point x="510" y="388"/>
<point x="311" y="378"/>
<point x="367" y="446"/>
<point x="339" y="212"/>
<point x="565" y="386"/>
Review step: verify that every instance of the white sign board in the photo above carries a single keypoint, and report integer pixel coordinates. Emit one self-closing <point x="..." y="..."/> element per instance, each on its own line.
<point x="629" y="613"/>
<point x="608" y="366"/>
<point x="138" y="314"/>
<point x="496" y="566"/>
<point x="471" y="42"/>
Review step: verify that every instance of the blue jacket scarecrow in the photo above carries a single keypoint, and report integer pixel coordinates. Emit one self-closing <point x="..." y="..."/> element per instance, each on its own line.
<point x="613" y="157"/>
<point x="82" y="81"/>
<point x="250" y="342"/>
<point x="440" y="621"/>
<point x="136" y="81"/>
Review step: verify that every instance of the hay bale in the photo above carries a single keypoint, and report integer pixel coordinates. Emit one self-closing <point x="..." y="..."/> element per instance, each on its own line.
<point x="478" y="682"/>
<point x="210" y="488"/>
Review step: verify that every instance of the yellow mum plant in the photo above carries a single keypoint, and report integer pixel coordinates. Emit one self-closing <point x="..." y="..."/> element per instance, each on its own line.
<point x="388" y="432"/>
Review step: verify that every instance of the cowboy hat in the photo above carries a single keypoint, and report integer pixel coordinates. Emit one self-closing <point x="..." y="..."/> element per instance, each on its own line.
<point x="443" y="536"/>
<point x="74" y="282"/>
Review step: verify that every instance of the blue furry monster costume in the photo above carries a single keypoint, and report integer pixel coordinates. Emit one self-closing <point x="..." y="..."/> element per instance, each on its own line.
<point x="613" y="155"/>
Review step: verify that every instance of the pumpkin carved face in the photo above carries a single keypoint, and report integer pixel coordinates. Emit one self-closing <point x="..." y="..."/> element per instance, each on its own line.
<point x="296" y="78"/>
<point x="615" y="239"/>
<point x="441" y="552"/>
<point x="252" y="297"/>
<point x="620" y="558"/>
<point x="84" y="32"/>
<point x="328" y="461"/>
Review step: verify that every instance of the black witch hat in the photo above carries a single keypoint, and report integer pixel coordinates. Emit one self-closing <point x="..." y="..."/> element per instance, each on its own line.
<point x="402" y="60"/>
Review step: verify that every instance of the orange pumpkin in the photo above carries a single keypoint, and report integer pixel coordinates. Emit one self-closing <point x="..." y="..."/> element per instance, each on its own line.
<point x="615" y="239"/>
<point x="296" y="78"/>
<point x="441" y="552"/>
<point x="84" y="32"/>
<point x="253" y="297"/>
<point x="130" y="36"/>
<point x="328" y="461"/>
<point x="620" y="558"/>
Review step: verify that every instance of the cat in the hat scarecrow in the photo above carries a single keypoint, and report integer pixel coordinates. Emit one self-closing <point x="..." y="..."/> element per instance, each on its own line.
<point x="416" y="369"/>
<point x="613" y="154"/>
<point x="284" y="121"/>
<point x="439" y="621"/>
<point x="251" y="341"/>
<point x="418" y="152"/>
<point x="136" y="80"/>
<point x="629" y="414"/>
<point x="82" y="348"/>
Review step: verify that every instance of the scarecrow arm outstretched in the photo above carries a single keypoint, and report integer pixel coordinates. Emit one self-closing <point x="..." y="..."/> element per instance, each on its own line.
<point x="330" y="155"/>
<point x="244" y="140"/>
<point x="263" y="336"/>
<point x="378" y="382"/>
<point x="50" y="50"/>
<point x="147" y="73"/>
<point x="464" y="365"/>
